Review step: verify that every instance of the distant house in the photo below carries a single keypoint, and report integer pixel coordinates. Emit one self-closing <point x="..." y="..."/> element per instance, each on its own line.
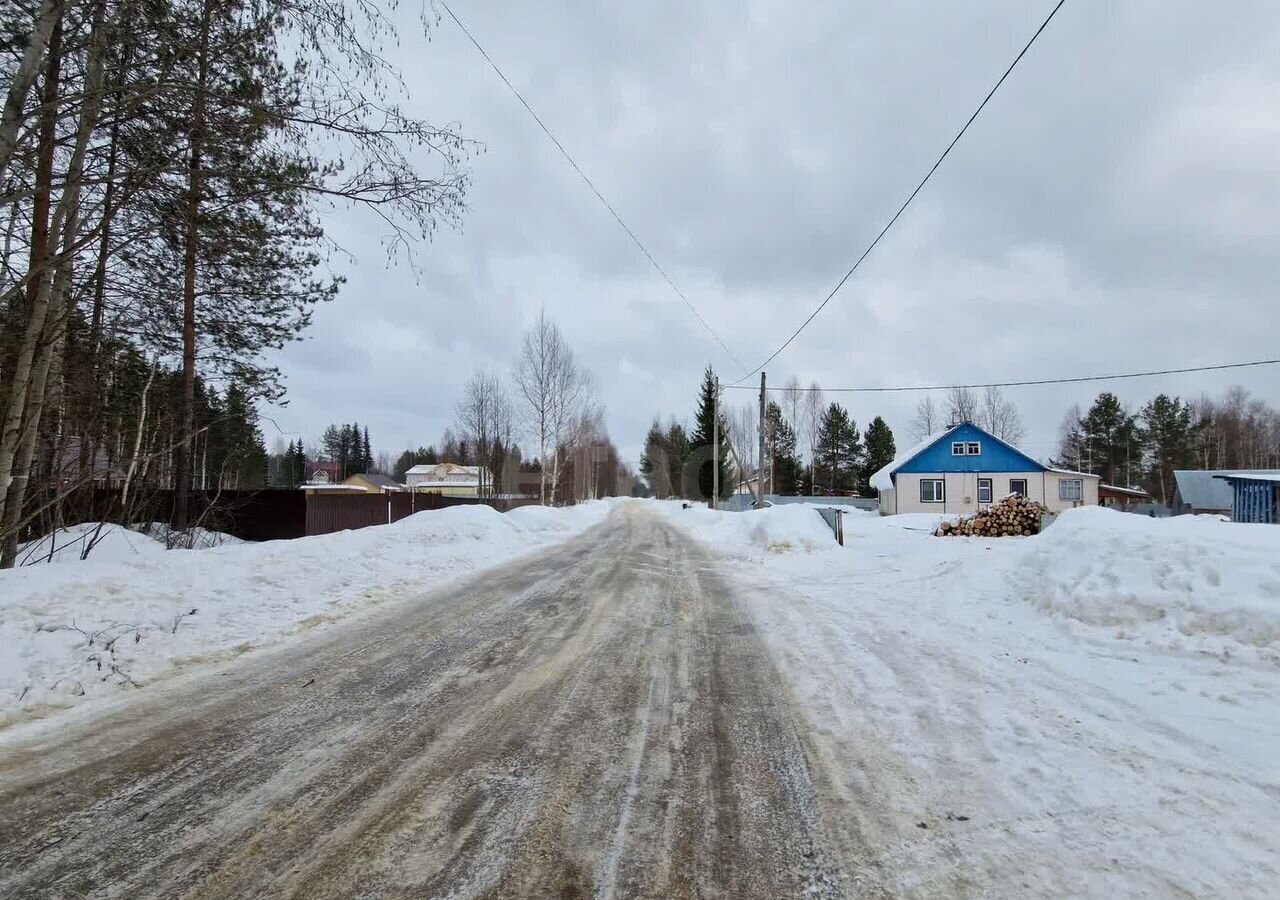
<point x="1123" y="498"/>
<point x="449" y="479"/>
<point x="1202" y="491"/>
<point x="966" y="468"/>
<point x="323" y="472"/>
<point x="374" y="483"/>
<point x="1255" y="496"/>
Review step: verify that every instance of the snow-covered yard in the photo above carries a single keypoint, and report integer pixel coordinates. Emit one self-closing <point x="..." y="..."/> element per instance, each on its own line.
<point x="1092" y="712"/>
<point x="134" y="612"/>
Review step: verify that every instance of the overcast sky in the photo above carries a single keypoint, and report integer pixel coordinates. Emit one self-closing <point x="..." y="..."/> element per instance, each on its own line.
<point x="1116" y="207"/>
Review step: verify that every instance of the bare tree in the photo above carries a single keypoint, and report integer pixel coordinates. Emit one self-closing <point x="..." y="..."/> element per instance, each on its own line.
<point x="575" y="400"/>
<point x="793" y="402"/>
<point x="484" y="413"/>
<point x="1000" y="417"/>
<point x="814" y="405"/>
<point x="925" y="422"/>
<point x="962" y="406"/>
<point x="741" y="425"/>
<point x="534" y="375"/>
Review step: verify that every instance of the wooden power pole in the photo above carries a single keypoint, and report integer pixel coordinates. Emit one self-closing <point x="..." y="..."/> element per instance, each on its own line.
<point x="715" y="446"/>
<point x="760" y="462"/>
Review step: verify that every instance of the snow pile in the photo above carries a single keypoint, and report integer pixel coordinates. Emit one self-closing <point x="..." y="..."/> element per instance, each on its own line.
<point x="779" y="529"/>
<point x="126" y="619"/>
<point x="1193" y="583"/>
<point x="1068" y="715"/>
<point x="104" y="542"/>
<point x="196" y="538"/>
<point x="96" y="540"/>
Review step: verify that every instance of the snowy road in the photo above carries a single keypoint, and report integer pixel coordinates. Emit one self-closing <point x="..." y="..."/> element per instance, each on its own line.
<point x="597" y="720"/>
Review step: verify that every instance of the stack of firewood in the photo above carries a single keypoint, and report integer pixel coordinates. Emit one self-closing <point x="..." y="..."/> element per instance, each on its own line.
<point x="1013" y="516"/>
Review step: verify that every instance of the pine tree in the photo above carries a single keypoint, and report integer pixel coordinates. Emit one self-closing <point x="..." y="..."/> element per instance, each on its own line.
<point x="880" y="451"/>
<point x="783" y="471"/>
<point x="366" y="454"/>
<point x="1112" y="440"/>
<point x="700" y="446"/>
<point x="1170" y="438"/>
<point x="839" y="451"/>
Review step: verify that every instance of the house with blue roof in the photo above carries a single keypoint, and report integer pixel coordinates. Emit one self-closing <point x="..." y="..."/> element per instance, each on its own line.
<point x="966" y="468"/>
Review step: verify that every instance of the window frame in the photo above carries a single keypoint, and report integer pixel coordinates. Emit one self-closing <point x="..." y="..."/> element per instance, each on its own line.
<point x="990" y="485"/>
<point x="1023" y="481"/>
<point x="1079" y="487"/>
<point x="973" y="448"/>
<point x="963" y="451"/>
<point x="939" y="492"/>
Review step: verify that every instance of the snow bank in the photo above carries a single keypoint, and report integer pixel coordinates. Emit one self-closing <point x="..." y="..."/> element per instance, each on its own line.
<point x="778" y="529"/>
<point x="127" y="618"/>
<point x="96" y="540"/>
<point x="191" y="539"/>
<point x="105" y="542"/>
<point x="1189" y="583"/>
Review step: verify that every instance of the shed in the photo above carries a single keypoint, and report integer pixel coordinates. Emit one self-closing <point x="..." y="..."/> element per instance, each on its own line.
<point x="1201" y="491"/>
<point x="1255" y="496"/>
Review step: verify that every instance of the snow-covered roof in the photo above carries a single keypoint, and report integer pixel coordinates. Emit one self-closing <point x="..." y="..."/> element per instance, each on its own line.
<point x="1072" y="472"/>
<point x="330" y="486"/>
<point x="882" y="480"/>
<point x="442" y="469"/>
<point x="1132" y="491"/>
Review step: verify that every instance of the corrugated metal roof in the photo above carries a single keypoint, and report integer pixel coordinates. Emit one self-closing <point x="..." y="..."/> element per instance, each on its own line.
<point x="1272" y="477"/>
<point x="1203" y="489"/>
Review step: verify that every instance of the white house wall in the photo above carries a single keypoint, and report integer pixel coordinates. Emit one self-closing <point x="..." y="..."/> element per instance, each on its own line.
<point x="962" y="491"/>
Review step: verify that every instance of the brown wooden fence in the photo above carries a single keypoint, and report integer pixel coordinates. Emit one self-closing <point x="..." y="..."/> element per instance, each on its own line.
<point x="327" y="513"/>
<point x="256" y="515"/>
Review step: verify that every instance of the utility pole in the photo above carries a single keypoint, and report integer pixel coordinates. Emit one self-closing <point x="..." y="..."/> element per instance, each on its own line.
<point x="760" y="462"/>
<point x="715" y="446"/>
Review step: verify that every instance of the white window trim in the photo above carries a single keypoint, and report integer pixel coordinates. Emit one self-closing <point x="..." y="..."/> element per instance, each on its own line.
<point x="1078" y="483"/>
<point x="937" y="496"/>
<point x="991" y="489"/>
<point x="969" y="445"/>
<point x="962" y="451"/>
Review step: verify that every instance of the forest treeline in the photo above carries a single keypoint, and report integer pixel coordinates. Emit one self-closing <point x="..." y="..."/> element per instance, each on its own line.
<point x="164" y="173"/>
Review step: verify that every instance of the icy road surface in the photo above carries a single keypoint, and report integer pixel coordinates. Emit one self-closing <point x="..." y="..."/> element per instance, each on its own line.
<point x="600" y="720"/>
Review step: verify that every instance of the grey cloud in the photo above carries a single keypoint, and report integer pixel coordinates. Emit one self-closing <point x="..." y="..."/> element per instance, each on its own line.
<point x="1111" y="210"/>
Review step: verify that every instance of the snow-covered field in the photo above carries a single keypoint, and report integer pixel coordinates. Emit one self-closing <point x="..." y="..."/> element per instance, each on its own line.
<point x="1093" y="712"/>
<point x="134" y="612"/>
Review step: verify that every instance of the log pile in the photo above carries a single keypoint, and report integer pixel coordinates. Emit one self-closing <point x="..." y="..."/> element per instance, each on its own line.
<point x="1014" y="516"/>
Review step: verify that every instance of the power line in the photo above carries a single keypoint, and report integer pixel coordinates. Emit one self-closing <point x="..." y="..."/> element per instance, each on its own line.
<point x="883" y="231"/>
<point x="583" y="175"/>
<point x="1041" y="381"/>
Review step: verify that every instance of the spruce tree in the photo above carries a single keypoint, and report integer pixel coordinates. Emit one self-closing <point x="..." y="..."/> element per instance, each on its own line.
<point x="700" y="447"/>
<point x="880" y="450"/>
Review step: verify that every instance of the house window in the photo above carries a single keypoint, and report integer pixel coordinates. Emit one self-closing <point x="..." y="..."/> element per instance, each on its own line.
<point x="1018" y="486"/>
<point x="1071" y="489"/>
<point x="957" y="448"/>
<point x="975" y="448"/>
<point x="932" y="490"/>
<point x="984" y="490"/>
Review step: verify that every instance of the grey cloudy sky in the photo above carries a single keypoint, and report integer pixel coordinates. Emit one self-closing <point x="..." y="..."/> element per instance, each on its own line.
<point x="1116" y="207"/>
